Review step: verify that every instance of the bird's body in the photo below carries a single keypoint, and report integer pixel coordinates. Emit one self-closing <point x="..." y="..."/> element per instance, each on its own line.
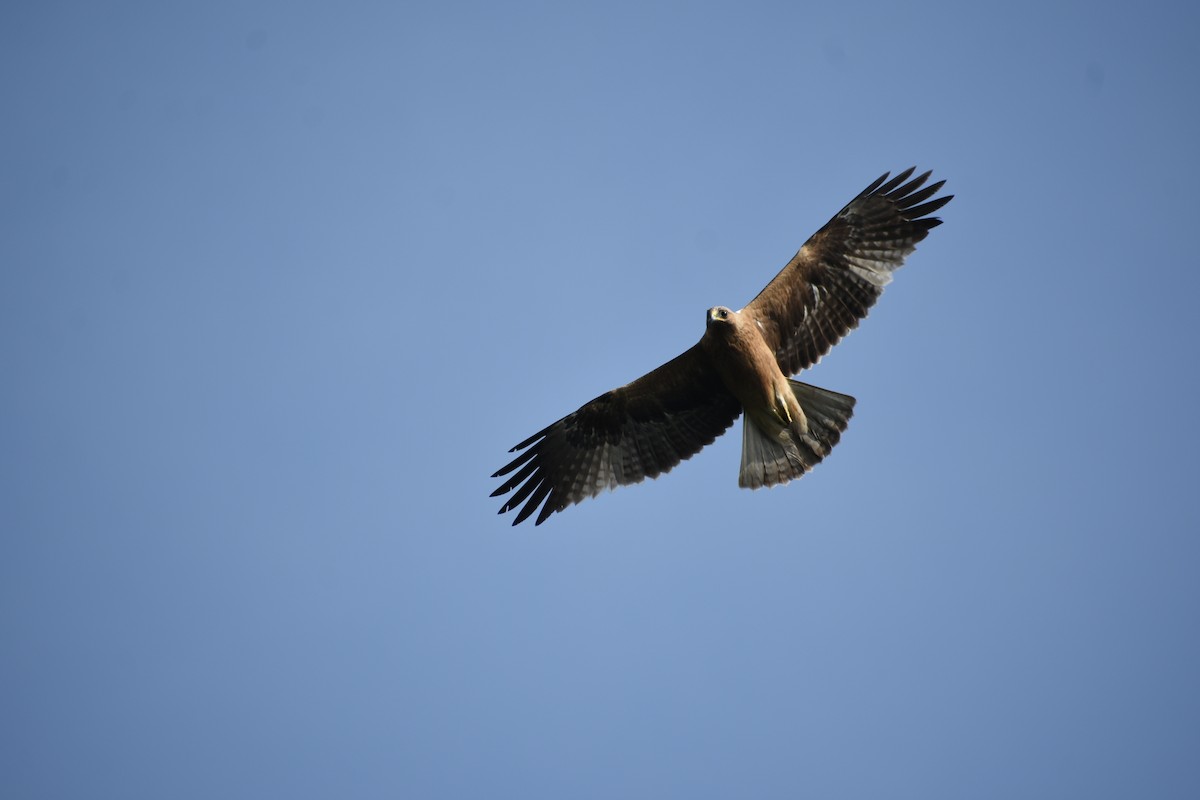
<point x="734" y="344"/>
<point x="742" y="363"/>
<point x="778" y="442"/>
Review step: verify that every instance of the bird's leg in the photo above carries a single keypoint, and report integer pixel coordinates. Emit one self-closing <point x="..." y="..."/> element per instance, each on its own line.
<point x="789" y="411"/>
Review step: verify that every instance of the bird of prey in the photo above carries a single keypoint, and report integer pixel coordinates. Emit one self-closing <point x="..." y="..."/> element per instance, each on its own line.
<point x="740" y="365"/>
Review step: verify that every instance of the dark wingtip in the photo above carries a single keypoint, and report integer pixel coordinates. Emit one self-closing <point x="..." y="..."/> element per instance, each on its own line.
<point x="875" y="184"/>
<point x="899" y="178"/>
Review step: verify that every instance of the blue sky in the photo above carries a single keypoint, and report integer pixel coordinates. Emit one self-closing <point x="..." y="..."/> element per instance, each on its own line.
<point x="280" y="285"/>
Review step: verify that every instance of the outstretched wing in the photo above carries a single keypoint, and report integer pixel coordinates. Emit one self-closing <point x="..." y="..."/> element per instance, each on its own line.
<point x="638" y="431"/>
<point x="835" y="278"/>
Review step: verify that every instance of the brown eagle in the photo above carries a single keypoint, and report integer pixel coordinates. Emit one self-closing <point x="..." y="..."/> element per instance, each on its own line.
<point x="741" y="364"/>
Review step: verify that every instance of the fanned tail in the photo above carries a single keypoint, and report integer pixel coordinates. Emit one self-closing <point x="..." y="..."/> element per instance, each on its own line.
<point x="769" y="461"/>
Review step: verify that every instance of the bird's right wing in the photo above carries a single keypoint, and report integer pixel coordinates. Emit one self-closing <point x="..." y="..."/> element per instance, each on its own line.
<point x="638" y="431"/>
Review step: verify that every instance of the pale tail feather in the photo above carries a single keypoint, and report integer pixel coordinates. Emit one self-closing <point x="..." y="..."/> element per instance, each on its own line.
<point x="767" y="461"/>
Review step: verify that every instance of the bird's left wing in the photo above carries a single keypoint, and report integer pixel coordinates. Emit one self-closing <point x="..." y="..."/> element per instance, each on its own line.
<point x="638" y="431"/>
<point x="839" y="273"/>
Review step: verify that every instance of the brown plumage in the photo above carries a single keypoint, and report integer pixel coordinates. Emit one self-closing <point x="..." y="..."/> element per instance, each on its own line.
<point x="741" y="363"/>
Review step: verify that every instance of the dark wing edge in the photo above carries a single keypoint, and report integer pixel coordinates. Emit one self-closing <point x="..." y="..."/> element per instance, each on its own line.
<point x="638" y="431"/>
<point x="833" y="280"/>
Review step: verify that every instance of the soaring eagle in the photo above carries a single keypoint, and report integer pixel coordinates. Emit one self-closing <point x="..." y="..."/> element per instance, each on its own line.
<point x="741" y="364"/>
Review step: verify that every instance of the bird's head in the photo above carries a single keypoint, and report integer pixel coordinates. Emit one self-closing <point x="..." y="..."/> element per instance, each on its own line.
<point x="718" y="315"/>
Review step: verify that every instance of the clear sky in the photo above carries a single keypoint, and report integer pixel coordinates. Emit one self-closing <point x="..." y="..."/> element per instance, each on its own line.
<point x="281" y="284"/>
